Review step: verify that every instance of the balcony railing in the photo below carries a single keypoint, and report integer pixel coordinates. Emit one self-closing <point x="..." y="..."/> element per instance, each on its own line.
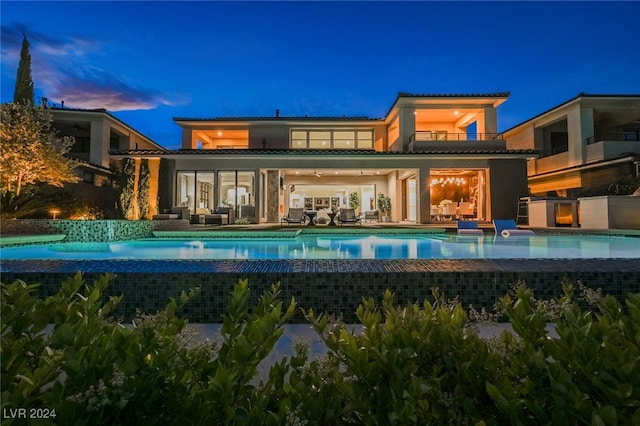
<point x="619" y="136"/>
<point x="435" y="136"/>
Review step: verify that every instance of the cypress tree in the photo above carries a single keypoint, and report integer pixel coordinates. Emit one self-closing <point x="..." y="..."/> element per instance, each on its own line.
<point x="143" y="189"/>
<point x="24" y="83"/>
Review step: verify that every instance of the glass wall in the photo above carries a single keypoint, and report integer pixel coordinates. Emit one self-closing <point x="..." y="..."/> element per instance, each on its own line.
<point x="457" y="194"/>
<point x="198" y="191"/>
<point x="186" y="190"/>
<point x="236" y="189"/>
<point x="195" y="190"/>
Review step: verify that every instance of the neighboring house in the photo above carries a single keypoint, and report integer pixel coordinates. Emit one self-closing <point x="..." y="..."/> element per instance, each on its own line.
<point x="587" y="142"/>
<point x="428" y="151"/>
<point x="96" y="132"/>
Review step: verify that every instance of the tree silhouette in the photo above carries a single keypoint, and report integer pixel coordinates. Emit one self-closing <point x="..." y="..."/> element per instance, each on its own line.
<point x="24" y="82"/>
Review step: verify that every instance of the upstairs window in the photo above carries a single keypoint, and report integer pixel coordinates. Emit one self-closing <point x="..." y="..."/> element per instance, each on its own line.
<point x="331" y="139"/>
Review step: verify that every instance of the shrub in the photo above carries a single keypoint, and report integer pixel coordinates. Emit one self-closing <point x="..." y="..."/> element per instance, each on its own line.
<point x="417" y="364"/>
<point x="91" y="369"/>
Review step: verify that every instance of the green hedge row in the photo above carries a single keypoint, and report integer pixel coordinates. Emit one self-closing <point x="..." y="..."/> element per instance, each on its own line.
<point x="417" y="364"/>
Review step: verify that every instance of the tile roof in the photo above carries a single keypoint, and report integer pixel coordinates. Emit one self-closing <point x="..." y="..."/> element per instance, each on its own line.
<point x="454" y="95"/>
<point x="347" y="118"/>
<point x="304" y="152"/>
<point x="279" y="118"/>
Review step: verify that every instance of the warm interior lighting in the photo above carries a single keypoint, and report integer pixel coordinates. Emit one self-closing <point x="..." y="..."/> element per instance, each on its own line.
<point x="54" y="213"/>
<point x="449" y="180"/>
<point x="219" y="133"/>
<point x="455" y="113"/>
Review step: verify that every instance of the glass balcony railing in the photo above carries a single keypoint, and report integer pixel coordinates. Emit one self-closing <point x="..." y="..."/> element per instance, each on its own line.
<point x="436" y="136"/>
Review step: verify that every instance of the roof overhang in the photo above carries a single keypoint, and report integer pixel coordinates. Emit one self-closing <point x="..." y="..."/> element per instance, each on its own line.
<point x="342" y="155"/>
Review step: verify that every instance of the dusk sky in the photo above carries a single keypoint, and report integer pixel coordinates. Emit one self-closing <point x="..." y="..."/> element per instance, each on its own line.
<point x="147" y="62"/>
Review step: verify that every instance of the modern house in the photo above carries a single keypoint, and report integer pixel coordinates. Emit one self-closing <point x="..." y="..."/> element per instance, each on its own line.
<point x="96" y="132"/>
<point x="588" y="142"/>
<point x="434" y="156"/>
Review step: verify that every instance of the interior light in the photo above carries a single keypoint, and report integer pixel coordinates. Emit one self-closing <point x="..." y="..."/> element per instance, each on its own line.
<point x="219" y="133"/>
<point x="297" y="173"/>
<point x="336" y="172"/>
<point x="455" y="113"/>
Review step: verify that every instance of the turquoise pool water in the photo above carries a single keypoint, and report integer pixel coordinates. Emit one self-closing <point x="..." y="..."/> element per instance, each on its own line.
<point x="343" y="247"/>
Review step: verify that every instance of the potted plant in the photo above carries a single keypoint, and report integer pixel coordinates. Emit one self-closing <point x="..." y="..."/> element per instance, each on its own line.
<point x="384" y="205"/>
<point x="354" y="201"/>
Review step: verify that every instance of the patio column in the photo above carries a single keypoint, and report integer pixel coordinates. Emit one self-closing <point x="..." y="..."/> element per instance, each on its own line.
<point x="407" y="126"/>
<point x="99" y="149"/>
<point x="423" y="205"/>
<point x="273" y="190"/>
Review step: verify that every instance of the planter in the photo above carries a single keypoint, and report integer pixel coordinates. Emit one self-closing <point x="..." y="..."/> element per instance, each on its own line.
<point x="386" y="218"/>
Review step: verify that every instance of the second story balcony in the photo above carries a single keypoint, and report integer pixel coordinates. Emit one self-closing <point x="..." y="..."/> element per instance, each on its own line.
<point x="612" y="145"/>
<point x="439" y="140"/>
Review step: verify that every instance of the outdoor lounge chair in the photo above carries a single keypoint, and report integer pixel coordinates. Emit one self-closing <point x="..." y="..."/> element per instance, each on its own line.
<point x="508" y="227"/>
<point x="371" y="215"/>
<point x="469" y="227"/>
<point x="295" y="216"/>
<point x="348" y="216"/>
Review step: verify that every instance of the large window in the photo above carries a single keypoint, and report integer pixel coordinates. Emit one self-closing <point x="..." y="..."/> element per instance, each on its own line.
<point x="457" y="194"/>
<point x="331" y="139"/>
<point x="236" y="189"/>
<point x="195" y="190"/>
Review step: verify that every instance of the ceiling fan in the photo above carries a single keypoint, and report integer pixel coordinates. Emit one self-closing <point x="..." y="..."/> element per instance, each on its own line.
<point x="317" y="174"/>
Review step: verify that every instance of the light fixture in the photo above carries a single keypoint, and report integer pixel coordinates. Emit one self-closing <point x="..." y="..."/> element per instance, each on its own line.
<point x="455" y="113"/>
<point x="219" y="133"/>
<point x="54" y="213"/>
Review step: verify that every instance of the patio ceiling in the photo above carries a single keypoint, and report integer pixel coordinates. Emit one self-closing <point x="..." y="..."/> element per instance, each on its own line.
<point x="337" y="172"/>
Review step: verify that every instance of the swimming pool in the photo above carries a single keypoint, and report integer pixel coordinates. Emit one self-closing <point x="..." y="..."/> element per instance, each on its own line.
<point x="341" y="247"/>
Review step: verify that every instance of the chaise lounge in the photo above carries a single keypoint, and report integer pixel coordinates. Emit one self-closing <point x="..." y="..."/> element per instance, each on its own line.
<point x="508" y="227"/>
<point x="469" y="228"/>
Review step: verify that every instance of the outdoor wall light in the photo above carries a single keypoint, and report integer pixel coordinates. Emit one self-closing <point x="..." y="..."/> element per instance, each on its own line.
<point x="54" y="213"/>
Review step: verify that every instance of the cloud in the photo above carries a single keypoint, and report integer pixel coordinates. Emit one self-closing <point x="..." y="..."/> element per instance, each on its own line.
<point x="64" y="69"/>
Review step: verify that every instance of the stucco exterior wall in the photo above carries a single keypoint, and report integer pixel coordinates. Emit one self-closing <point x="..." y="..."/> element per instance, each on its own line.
<point x="507" y="183"/>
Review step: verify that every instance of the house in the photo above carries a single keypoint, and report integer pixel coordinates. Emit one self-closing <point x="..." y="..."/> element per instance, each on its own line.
<point x="429" y="153"/>
<point x="585" y="143"/>
<point x="96" y="132"/>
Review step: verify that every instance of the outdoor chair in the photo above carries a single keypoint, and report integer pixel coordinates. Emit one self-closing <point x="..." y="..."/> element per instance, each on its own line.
<point x="371" y="215"/>
<point x="508" y="227"/>
<point x="349" y="216"/>
<point x="295" y="216"/>
<point x="469" y="227"/>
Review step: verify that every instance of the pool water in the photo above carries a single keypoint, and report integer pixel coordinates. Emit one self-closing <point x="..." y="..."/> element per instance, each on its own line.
<point x="343" y="247"/>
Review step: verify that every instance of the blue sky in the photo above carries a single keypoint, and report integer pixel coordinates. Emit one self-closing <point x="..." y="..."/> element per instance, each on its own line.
<point x="148" y="62"/>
